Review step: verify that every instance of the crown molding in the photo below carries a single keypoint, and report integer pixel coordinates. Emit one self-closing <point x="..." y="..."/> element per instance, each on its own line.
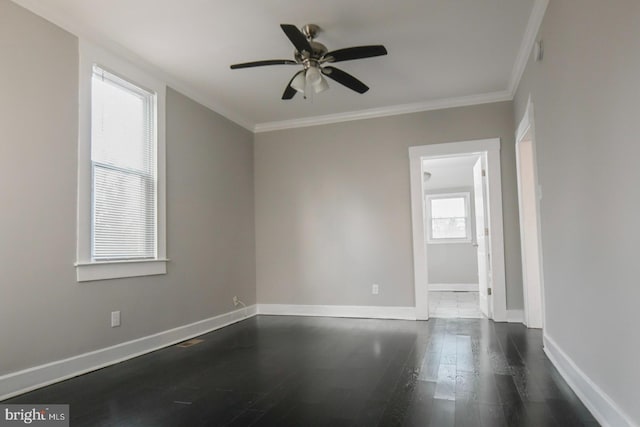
<point x="438" y="104"/>
<point x="81" y="31"/>
<point x="529" y="39"/>
<point x="531" y="32"/>
<point x="44" y="10"/>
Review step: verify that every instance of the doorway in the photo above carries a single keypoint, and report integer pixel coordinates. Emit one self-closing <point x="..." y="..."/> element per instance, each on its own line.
<point x="454" y="213"/>
<point x="488" y="151"/>
<point x="529" y="207"/>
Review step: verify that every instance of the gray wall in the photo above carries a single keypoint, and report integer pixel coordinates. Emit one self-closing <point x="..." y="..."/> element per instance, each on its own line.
<point x="454" y="262"/>
<point x="333" y="205"/>
<point x="586" y="96"/>
<point x="45" y="314"/>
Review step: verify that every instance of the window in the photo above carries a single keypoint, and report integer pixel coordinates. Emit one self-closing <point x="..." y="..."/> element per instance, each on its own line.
<point x="448" y="218"/>
<point x="121" y="170"/>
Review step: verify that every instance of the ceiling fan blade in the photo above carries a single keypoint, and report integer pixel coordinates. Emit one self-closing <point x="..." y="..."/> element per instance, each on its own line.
<point x="297" y="38"/>
<point x="263" y="63"/>
<point x="345" y="79"/>
<point x="290" y="92"/>
<point x="357" y="52"/>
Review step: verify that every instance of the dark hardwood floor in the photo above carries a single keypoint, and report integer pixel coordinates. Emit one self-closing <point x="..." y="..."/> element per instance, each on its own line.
<point x="305" y="371"/>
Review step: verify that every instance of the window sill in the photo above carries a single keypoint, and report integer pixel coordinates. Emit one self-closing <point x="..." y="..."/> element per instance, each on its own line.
<point x="90" y="271"/>
<point x="448" y="241"/>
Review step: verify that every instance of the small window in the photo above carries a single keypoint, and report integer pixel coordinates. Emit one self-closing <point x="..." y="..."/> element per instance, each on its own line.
<point x="448" y="218"/>
<point x="121" y="182"/>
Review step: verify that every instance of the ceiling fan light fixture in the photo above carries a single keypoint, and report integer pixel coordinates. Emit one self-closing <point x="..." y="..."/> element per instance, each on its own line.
<point x="299" y="82"/>
<point x="313" y="75"/>
<point x="321" y="85"/>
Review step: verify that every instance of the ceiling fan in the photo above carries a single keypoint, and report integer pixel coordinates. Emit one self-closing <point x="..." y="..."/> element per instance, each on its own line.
<point x="313" y="56"/>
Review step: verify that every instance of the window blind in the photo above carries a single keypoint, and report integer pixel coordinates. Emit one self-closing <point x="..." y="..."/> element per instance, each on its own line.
<point x="123" y="162"/>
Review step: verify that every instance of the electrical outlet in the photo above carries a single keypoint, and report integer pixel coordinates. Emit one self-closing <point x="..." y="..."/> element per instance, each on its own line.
<point x="115" y="319"/>
<point x="375" y="289"/>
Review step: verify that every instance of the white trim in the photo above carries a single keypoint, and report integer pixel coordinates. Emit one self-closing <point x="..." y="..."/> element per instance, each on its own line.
<point x="601" y="406"/>
<point x="39" y="376"/>
<point x="527" y="122"/>
<point x="111" y="270"/>
<point x="122" y="261"/>
<point x="515" y="316"/>
<point x="534" y="307"/>
<point x="86" y="268"/>
<point x="494" y="195"/>
<point x="358" y="311"/>
<point x="528" y="41"/>
<point x="452" y="149"/>
<point x="394" y="110"/>
<point x="453" y="287"/>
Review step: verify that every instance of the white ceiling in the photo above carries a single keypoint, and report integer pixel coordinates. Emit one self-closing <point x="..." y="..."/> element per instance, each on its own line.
<point x="441" y="52"/>
<point x="450" y="172"/>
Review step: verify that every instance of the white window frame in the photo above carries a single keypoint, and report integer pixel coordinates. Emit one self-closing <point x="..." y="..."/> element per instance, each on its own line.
<point x="86" y="268"/>
<point x="428" y="198"/>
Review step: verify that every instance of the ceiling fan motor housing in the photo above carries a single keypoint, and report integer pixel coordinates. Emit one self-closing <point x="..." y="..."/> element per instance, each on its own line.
<point x="310" y="31"/>
<point x="318" y="51"/>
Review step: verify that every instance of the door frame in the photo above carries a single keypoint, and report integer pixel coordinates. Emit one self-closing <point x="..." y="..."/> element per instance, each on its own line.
<point x="491" y="147"/>
<point x="532" y="308"/>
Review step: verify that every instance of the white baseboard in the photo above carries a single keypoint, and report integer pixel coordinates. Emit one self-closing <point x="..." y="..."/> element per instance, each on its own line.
<point x="454" y="287"/>
<point x="515" y="316"/>
<point x="26" y="380"/>
<point x="602" y="407"/>
<point x="360" y="311"/>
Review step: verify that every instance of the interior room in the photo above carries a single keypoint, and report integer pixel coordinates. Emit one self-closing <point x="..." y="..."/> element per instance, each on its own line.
<point x="451" y="224"/>
<point x="222" y="213"/>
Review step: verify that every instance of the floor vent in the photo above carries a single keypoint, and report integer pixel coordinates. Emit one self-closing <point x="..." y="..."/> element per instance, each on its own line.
<point x="190" y="343"/>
